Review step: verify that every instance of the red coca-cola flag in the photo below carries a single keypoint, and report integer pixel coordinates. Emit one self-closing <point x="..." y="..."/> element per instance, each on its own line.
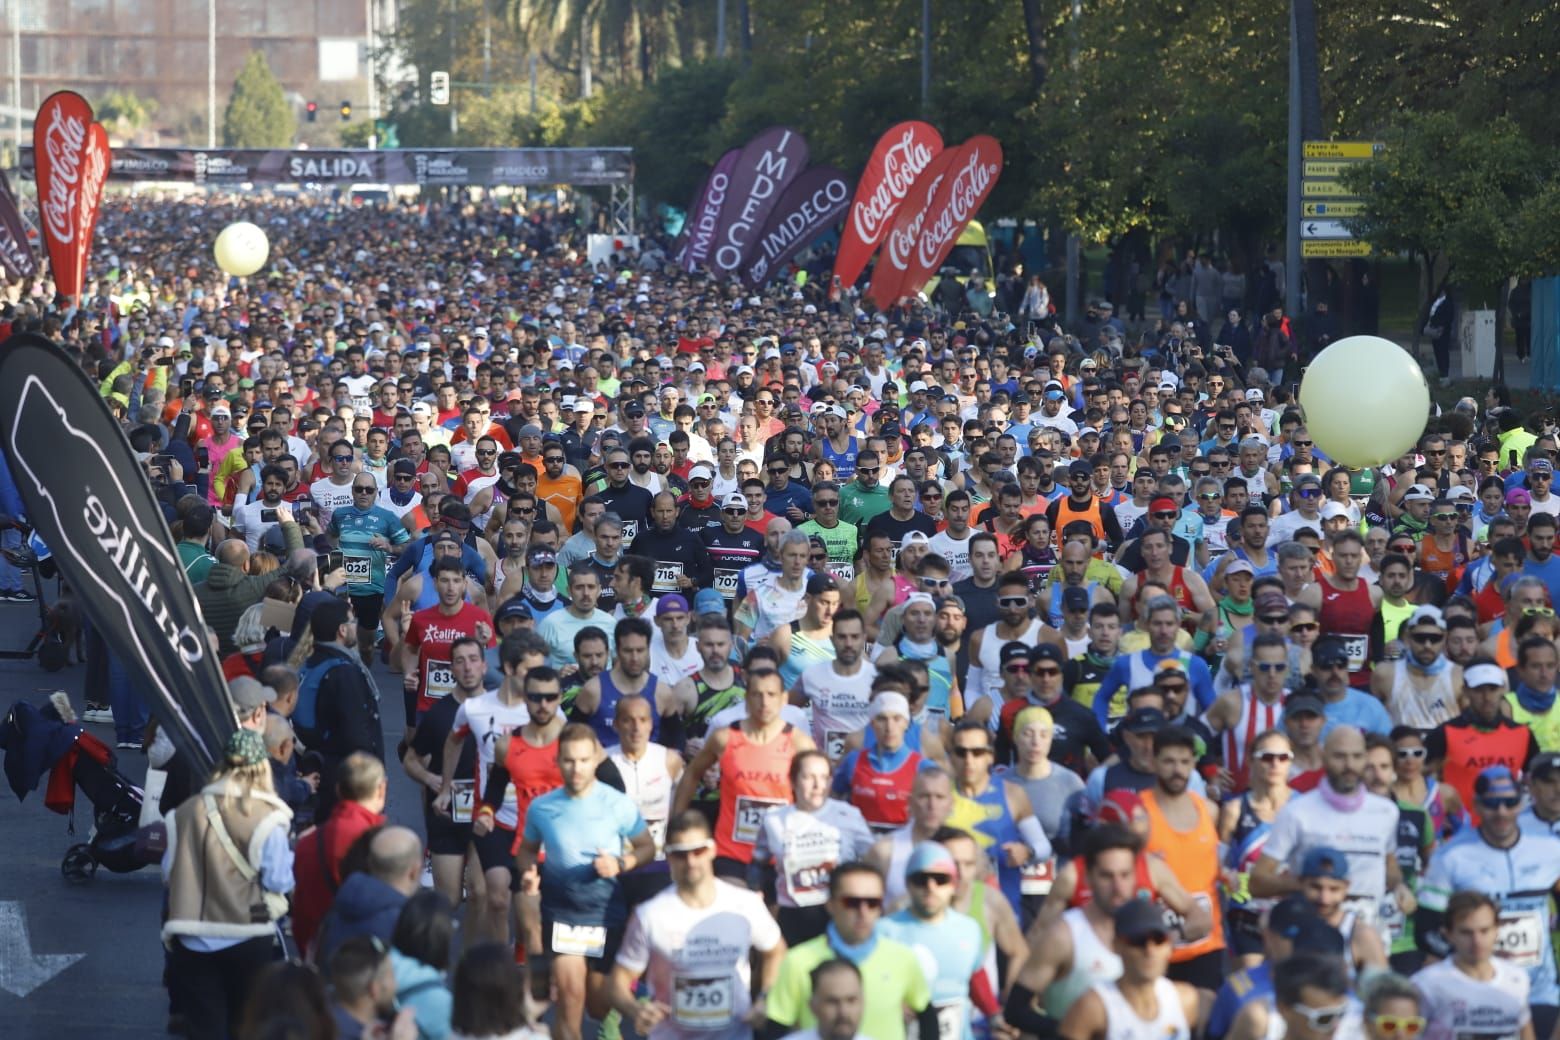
<point x="893" y="257"/>
<point x="71" y="158"/>
<point x="899" y="157"/>
<point x="967" y="182"/>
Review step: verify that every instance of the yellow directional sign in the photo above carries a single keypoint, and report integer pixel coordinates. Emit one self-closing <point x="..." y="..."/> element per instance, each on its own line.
<point x="1333" y="249"/>
<point x="1341" y="149"/>
<point x="1325" y="167"/>
<point x="1332" y="209"/>
<point x="1326" y="190"/>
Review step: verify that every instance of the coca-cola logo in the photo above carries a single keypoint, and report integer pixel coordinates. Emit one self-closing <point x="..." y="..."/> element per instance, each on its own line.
<point x="902" y="164"/>
<point x="968" y="187"/>
<point x="94" y="173"/>
<point x="65" y="139"/>
<point x="902" y="240"/>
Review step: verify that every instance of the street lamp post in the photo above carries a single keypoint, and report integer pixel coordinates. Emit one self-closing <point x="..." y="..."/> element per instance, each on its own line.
<point x="211" y="73"/>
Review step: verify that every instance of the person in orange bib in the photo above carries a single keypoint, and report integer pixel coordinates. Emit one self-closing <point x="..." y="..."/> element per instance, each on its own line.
<point x="1183" y="831"/>
<point x="754" y="755"/>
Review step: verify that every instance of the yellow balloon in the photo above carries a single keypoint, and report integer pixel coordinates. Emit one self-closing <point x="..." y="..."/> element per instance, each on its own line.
<point x="241" y="249"/>
<point x="1366" y="401"/>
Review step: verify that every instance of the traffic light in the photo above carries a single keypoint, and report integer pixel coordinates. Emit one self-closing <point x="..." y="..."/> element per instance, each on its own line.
<point x="346" y="111"/>
<point x="313" y="109"/>
<point x="439" y="88"/>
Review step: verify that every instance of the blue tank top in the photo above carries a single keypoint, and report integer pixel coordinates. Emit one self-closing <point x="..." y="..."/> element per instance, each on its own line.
<point x="989" y="819"/>
<point x="844" y="461"/>
<point x="1054" y="615"/>
<point x="938" y="673"/>
<point x="601" y="720"/>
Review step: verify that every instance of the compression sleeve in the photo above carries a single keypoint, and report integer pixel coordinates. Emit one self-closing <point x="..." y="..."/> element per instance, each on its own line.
<point x="1021" y="1013"/>
<point x="1034" y="836"/>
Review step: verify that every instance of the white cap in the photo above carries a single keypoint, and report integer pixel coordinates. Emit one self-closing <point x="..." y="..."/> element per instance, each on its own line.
<point x="1418" y="493"/>
<point x="1333" y="510"/>
<point x="1485" y="675"/>
<point x="914" y="538"/>
<point x="1253" y="394"/>
<point x="917" y="387"/>
<point x="735" y="500"/>
<point x="1428" y="612"/>
<point x="584" y="404"/>
<point x="702" y="472"/>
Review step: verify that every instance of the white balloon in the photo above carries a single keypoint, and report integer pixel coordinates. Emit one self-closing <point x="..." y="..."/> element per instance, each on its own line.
<point x="241" y="249"/>
<point x="1366" y="401"/>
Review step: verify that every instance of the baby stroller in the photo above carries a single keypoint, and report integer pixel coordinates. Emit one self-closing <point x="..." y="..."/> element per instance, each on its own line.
<point x="47" y="740"/>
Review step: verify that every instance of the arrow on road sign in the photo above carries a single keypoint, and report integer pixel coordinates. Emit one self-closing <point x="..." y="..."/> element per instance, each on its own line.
<point x="1332" y="209"/>
<point x="21" y="970"/>
<point x="1325" y="229"/>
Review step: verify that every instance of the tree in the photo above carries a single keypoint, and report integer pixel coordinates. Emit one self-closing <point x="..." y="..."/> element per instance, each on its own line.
<point x="125" y="110"/>
<point x="258" y="115"/>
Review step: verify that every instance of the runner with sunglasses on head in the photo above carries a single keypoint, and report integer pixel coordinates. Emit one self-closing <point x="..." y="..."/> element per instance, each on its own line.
<point x="1310" y="1002"/>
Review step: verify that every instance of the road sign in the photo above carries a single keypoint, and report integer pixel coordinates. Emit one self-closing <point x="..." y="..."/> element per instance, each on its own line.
<point x="1324" y="229"/>
<point x="1325" y="167"/>
<point x="439" y="88"/>
<point x="1342" y="149"/>
<point x="1326" y="190"/>
<point x="1332" y="209"/>
<point x="1333" y="249"/>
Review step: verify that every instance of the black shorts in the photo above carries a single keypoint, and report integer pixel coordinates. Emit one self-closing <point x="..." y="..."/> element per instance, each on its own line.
<point x="1205" y="972"/>
<point x="800" y="923"/>
<point x="1243" y="931"/>
<point x="733" y="870"/>
<point x="445" y="836"/>
<point x="493" y="852"/>
<point x="601" y="964"/>
<point x="367" y="610"/>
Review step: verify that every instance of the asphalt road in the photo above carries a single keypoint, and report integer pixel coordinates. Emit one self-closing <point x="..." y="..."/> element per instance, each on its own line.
<point x="115" y="989"/>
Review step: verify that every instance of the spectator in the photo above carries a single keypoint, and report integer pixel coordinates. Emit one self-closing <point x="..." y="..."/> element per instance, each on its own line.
<point x="229" y="588"/>
<point x="371" y="900"/>
<point x="362" y="984"/>
<point x="360" y="786"/>
<point x="346" y="697"/>
<point x="487" y="993"/>
<point x="420" y="953"/>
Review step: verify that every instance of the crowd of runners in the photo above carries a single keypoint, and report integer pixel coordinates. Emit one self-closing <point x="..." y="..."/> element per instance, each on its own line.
<point x="770" y="666"/>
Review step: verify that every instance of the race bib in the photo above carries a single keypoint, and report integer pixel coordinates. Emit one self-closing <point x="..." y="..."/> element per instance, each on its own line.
<point x="1390" y="921"/>
<point x="1037" y="877"/>
<point x="579" y="940"/>
<point x="702" y="1003"/>
<point x="810" y="885"/>
<point x="726" y="583"/>
<point x="1520" y="938"/>
<point x="750" y="814"/>
<point x="657" y="830"/>
<point x="1357" y="648"/>
<point x="438" y="679"/>
<point x="666" y="577"/>
<point x="950" y="1021"/>
<point x="630" y="531"/>
<point x="359" y="569"/>
<point x="834" y="744"/>
<point x="363" y="405"/>
<point x="843" y="571"/>
<point x="1177" y="924"/>
<point x="463" y="799"/>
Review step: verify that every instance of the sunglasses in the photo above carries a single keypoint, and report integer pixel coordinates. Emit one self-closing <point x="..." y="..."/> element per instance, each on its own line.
<point x="617" y="465"/>
<point x="697" y="850"/>
<point x="1306" y="626"/>
<point x="1323" y="1019"/>
<point x="1269" y="667"/>
<point x="1211" y="496"/>
<point x="559" y="458"/>
<point x="1166" y="515"/>
<point x="825" y="503"/>
<point x="341" y="458"/>
<point x="1427" y="638"/>
<point x="971" y="752"/>
<point x="543" y="698"/>
<point x="1443" y="516"/>
<point x="1275" y="757"/>
<point x="867" y="472"/>
<point x="489" y="453"/>
<point x="1398" y="1025"/>
<point x="1412" y="752"/>
<point x="862" y="902"/>
<point x="935" y="583"/>
<point x="1048" y="672"/>
<point x="1304" y="444"/>
<point x="406" y="476"/>
<point x="921" y="879"/>
<point x="367" y="489"/>
<point x="734" y="512"/>
<point x="1016" y="669"/>
<point x="1538" y="612"/>
<point x="1012" y="601"/>
<point x="1500" y="803"/>
<point x="1309" y="492"/>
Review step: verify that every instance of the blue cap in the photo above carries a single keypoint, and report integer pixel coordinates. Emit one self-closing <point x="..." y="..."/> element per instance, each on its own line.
<point x="1324" y="861"/>
<point x="930" y="857"/>
<point x="1496" y="782"/>
<point x="708" y="601"/>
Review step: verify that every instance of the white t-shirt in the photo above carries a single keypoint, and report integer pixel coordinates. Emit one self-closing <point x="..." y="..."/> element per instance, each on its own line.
<point x="247" y="519"/>
<point x="806" y="847"/>
<point x="956" y="552"/>
<point x="696" y="959"/>
<point x="487" y="719"/>
<point x="668" y="669"/>
<point x="1459" y="1007"/>
<point x="329" y="497"/>
<point x="1367" y="837"/>
<point x="839" y="703"/>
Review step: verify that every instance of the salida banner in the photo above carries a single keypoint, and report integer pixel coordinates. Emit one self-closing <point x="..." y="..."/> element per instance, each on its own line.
<point x="88" y="499"/>
<point x="73" y="163"/>
<point x="480" y="167"/>
<point x="901" y="154"/>
<point x="16" y="253"/>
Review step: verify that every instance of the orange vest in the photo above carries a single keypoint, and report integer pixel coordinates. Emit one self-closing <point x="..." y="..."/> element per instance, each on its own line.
<point x="1193" y="857"/>
<point x="1066" y="514"/>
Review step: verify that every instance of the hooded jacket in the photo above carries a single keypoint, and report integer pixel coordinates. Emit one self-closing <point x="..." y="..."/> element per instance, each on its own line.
<point x="422" y="988"/>
<point x="364" y="906"/>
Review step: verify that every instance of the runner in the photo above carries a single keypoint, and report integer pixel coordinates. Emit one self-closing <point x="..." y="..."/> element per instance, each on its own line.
<point x="1142" y="1001"/>
<point x="839" y="691"/>
<point x="1474" y="992"/>
<point x="592" y="835"/>
<point x="425" y="651"/>
<point x="649" y="770"/>
<point x="692" y="944"/>
<point x="367" y="534"/>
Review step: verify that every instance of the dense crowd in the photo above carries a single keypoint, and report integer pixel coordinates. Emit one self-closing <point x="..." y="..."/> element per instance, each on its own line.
<point x="767" y="665"/>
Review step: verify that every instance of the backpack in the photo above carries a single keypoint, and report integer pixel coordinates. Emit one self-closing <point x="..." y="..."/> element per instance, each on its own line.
<point x="306" y="713"/>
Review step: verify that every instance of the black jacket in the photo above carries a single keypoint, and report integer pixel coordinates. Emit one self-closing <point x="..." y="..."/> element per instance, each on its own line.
<point x="671" y="549"/>
<point x="347" y="709"/>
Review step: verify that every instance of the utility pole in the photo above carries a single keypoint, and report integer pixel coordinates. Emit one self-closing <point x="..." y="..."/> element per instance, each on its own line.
<point x="926" y="56"/>
<point x="16" y="75"/>
<point x="211" y="73"/>
<point x="1074" y="244"/>
<point x="720" y="28"/>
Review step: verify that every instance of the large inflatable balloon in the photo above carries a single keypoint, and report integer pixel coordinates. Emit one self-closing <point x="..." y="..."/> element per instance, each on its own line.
<point x="1365" y="401"/>
<point x="241" y="249"/>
